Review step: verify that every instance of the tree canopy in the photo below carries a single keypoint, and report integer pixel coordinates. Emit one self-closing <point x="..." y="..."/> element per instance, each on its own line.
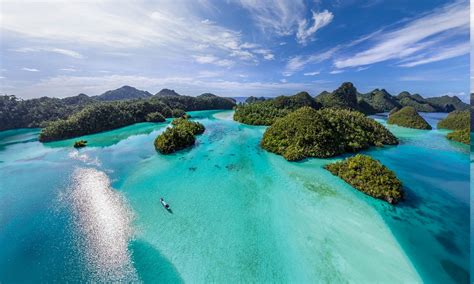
<point x="324" y="133"/>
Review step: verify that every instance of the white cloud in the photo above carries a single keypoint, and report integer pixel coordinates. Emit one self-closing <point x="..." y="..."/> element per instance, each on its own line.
<point x="68" y="69"/>
<point x="283" y="80"/>
<point x="29" y="69"/>
<point x="438" y="55"/>
<point x="267" y="54"/>
<point x="297" y="63"/>
<point x="414" y="37"/>
<point x="211" y="59"/>
<point x="311" y="73"/>
<point x="278" y="16"/>
<point x="320" y="20"/>
<point x="285" y="17"/>
<point x="174" y="28"/>
<point x="362" y="68"/>
<point x="67" y="52"/>
<point x="336" y="72"/>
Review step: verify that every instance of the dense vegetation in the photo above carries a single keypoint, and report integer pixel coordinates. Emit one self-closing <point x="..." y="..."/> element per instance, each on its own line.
<point x="343" y="97"/>
<point x="462" y="136"/>
<point x="16" y="113"/>
<point x="380" y="100"/>
<point x="267" y="111"/>
<point x="369" y="176"/>
<point x="177" y="112"/>
<point x="195" y="128"/>
<point x="178" y="137"/>
<point x="324" y="133"/>
<point x="123" y="93"/>
<point x="447" y="103"/>
<point x="253" y="99"/>
<point x="100" y="117"/>
<point x="408" y="117"/>
<point x="155" y="117"/>
<point x="456" y="120"/>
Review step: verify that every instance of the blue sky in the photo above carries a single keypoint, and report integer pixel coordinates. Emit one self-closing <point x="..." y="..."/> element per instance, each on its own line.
<point x="234" y="47"/>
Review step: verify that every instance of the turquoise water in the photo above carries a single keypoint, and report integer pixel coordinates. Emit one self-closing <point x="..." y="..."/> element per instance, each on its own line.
<point x="239" y="214"/>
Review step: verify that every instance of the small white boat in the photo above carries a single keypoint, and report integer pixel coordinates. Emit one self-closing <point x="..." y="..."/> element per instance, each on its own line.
<point x="163" y="202"/>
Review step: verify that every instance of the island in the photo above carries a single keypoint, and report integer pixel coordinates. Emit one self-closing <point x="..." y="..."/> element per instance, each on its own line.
<point x="459" y="122"/>
<point x="155" y="117"/>
<point x="266" y="111"/>
<point x="324" y="133"/>
<point x="180" y="136"/>
<point x="115" y="109"/>
<point x="456" y="120"/>
<point x="369" y="176"/>
<point x="462" y="136"/>
<point x="408" y="117"/>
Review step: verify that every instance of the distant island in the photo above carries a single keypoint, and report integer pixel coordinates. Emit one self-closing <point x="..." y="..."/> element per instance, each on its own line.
<point x="82" y="115"/>
<point x="33" y="113"/>
<point x="264" y="111"/>
<point x="408" y="117"/>
<point x="459" y="122"/>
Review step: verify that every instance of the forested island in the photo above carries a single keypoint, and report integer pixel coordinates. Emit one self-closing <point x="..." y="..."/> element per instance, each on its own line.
<point x="264" y="111"/>
<point x="86" y="115"/>
<point x="369" y="176"/>
<point x="324" y="133"/>
<point x="459" y="122"/>
<point x="181" y="135"/>
<point x="408" y="117"/>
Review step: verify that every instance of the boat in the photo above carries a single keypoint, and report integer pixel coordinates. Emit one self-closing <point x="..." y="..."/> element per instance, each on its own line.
<point x="163" y="202"/>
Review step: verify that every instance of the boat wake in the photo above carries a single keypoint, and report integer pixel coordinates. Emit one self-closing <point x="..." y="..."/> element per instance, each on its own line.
<point x="103" y="222"/>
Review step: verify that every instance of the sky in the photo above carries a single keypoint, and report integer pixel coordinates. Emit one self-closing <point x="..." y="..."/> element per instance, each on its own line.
<point x="234" y="47"/>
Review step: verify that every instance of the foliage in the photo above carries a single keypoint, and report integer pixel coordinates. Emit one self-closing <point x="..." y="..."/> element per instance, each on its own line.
<point x="343" y="97"/>
<point x="253" y="99"/>
<point x="324" y="133"/>
<point x="447" y="103"/>
<point x="80" y="144"/>
<point x="100" y="117"/>
<point x="267" y="111"/>
<point x="178" y="137"/>
<point x="123" y="93"/>
<point x="174" y="139"/>
<point x="380" y="100"/>
<point x="177" y="112"/>
<point x="369" y="176"/>
<point x="408" y="117"/>
<point x="462" y="136"/>
<point x="194" y="127"/>
<point x="456" y="120"/>
<point x="16" y="113"/>
<point x="155" y="117"/>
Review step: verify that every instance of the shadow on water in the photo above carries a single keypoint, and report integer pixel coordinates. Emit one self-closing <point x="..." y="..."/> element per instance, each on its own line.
<point x="151" y="265"/>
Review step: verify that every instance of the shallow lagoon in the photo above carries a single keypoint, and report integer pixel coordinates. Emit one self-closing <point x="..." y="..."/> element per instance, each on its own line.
<point x="239" y="213"/>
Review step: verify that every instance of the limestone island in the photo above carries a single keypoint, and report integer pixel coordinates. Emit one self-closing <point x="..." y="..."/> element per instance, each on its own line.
<point x="324" y="133"/>
<point x="370" y="177"/>
<point x="456" y="120"/>
<point x="181" y="135"/>
<point x="408" y="117"/>
<point x="462" y="136"/>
